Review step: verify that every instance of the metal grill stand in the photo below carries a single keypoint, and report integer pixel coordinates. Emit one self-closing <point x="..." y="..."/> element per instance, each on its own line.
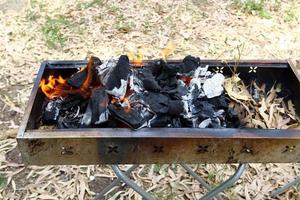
<point x="213" y="192"/>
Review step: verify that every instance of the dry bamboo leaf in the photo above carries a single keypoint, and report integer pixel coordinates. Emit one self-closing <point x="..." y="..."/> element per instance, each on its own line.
<point x="236" y="89"/>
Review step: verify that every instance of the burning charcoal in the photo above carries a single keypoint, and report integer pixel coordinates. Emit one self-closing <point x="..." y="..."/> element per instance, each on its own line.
<point x="148" y="80"/>
<point x="51" y="112"/>
<point x="213" y="86"/>
<point x="137" y="117"/>
<point x="117" y="81"/>
<point x="77" y="79"/>
<point x="190" y="64"/>
<point x="96" y="112"/>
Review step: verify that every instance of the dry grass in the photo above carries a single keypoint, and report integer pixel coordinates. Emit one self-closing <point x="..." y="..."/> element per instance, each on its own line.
<point x="39" y="30"/>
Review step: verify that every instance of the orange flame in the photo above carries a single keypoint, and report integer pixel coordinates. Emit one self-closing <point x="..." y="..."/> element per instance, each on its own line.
<point x="136" y="59"/>
<point x="122" y="102"/>
<point x="54" y="87"/>
<point x="57" y="87"/>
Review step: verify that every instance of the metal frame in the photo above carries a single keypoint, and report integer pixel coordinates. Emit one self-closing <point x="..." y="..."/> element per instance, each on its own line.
<point x="158" y="145"/>
<point x="212" y="192"/>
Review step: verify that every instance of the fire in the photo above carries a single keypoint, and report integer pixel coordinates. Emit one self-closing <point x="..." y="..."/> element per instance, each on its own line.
<point x="58" y="87"/>
<point x="53" y="87"/>
<point x="136" y="58"/>
<point x="123" y="102"/>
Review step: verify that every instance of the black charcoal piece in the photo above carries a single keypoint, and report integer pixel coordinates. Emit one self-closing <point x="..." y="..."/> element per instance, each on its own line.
<point x="137" y="117"/>
<point x="148" y="80"/>
<point x="156" y="67"/>
<point x="96" y="112"/>
<point x="204" y="109"/>
<point x="72" y="100"/>
<point x="158" y="102"/>
<point x="219" y="102"/>
<point x="190" y="64"/>
<point x="161" y="121"/>
<point x="175" y="107"/>
<point x="77" y="79"/>
<point x="51" y="111"/>
<point x="117" y="81"/>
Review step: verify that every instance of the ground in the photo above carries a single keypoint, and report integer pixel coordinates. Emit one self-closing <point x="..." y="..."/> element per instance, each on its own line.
<point x="33" y="31"/>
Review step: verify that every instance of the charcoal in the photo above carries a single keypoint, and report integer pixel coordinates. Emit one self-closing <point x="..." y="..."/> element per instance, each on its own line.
<point x="175" y="107"/>
<point x="178" y="92"/>
<point x="156" y="67"/>
<point x="117" y="81"/>
<point x="161" y="121"/>
<point x="158" y="102"/>
<point x="137" y="117"/>
<point x="219" y="102"/>
<point x="96" y="112"/>
<point x="77" y="79"/>
<point x="51" y="111"/>
<point x="190" y="64"/>
<point x="105" y="69"/>
<point x="70" y="118"/>
<point x="72" y="100"/>
<point x="204" y="109"/>
<point x="148" y="80"/>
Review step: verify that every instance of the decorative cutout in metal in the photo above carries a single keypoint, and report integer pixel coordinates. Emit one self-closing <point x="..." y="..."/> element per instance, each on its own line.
<point x="158" y="149"/>
<point x="202" y="148"/>
<point x="112" y="149"/>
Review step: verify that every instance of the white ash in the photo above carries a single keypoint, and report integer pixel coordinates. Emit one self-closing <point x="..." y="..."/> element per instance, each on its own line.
<point x="213" y="86"/>
<point x="205" y="123"/>
<point x="119" y="92"/>
<point x="103" y="117"/>
<point x="105" y="69"/>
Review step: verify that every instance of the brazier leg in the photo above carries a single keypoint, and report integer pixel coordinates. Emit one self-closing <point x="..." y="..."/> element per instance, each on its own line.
<point x="130" y="183"/>
<point x="226" y="184"/>
<point x="115" y="182"/>
<point x="278" y="191"/>
<point x="199" y="179"/>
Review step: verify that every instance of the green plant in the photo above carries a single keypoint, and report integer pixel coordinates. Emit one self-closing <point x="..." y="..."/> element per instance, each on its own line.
<point x="2" y="181"/>
<point x="290" y="15"/>
<point x="253" y="7"/>
<point x="52" y="31"/>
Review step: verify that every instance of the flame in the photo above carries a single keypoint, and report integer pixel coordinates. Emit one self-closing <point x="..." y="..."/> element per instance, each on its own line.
<point x="136" y="58"/>
<point x="53" y="87"/>
<point x="168" y="50"/>
<point x="58" y="87"/>
<point x="122" y="102"/>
